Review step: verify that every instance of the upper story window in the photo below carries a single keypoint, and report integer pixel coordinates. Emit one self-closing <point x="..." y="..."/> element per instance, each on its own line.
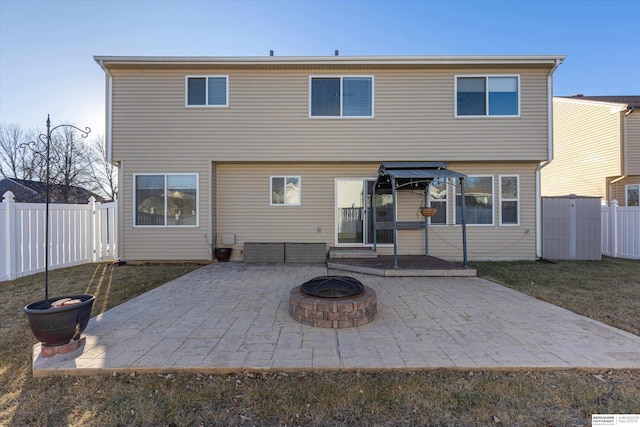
<point x="631" y="194"/>
<point x="207" y="91"/>
<point x="487" y="96"/>
<point x="285" y="191"/>
<point x="166" y="199"/>
<point x="341" y="96"/>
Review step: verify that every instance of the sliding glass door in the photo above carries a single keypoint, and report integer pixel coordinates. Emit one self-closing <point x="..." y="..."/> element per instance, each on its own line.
<point x="355" y="206"/>
<point x="382" y="206"/>
<point x="349" y="211"/>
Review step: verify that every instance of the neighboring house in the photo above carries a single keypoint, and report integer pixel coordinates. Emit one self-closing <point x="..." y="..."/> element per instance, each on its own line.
<point x="596" y="148"/>
<point x="286" y="149"/>
<point x="26" y="191"/>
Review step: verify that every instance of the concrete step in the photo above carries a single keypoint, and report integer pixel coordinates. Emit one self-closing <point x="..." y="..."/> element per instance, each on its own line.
<point x="339" y="253"/>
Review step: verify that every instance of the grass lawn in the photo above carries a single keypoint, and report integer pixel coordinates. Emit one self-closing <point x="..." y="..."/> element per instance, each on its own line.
<point x="607" y="290"/>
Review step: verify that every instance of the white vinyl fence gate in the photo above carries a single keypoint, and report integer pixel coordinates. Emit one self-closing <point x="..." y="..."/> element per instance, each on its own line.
<point x="78" y="234"/>
<point x="621" y="231"/>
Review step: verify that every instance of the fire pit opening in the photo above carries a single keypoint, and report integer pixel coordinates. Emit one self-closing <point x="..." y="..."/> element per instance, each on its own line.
<point x="333" y="287"/>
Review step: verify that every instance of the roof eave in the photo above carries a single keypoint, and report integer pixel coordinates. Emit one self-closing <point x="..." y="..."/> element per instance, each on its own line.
<point x="621" y="106"/>
<point x="550" y="60"/>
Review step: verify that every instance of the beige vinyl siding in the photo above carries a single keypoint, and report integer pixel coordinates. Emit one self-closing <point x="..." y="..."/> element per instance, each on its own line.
<point x="268" y="119"/>
<point x="243" y="209"/>
<point x="587" y="141"/>
<point x="617" y="189"/>
<point x="165" y="243"/>
<point x="485" y="242"/>
<point x="632" y="141"/>
<point x="244" y="202"/>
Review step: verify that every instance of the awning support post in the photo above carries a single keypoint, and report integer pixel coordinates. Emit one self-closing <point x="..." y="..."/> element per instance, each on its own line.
<point x="373" y="214"/>
<point x="395" y="225"/>
<point x="426" y="222"/>
<point x="464" y="224"/>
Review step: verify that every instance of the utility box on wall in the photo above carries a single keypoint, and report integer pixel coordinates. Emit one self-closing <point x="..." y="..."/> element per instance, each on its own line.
<point x="571" y="228"/>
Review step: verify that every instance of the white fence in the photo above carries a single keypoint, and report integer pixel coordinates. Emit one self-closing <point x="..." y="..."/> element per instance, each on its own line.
<point x="77" y="234"/>
<point x="621" y="231"/>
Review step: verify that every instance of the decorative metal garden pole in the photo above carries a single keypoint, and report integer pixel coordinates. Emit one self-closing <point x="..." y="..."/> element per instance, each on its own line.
<point x="46" y="139"/>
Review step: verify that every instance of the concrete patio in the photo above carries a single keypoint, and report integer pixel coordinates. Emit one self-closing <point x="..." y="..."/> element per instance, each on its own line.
<point x="235" y="316"/>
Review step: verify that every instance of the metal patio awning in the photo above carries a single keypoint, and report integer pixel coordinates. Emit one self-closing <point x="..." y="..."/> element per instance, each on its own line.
<point x="398" y="176"/>
<point x="410" y="175"/>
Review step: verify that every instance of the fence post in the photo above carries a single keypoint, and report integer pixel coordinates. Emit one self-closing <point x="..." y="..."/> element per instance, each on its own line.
<point x="97" y="232"/>
<point x="10" y="235"/>
<point x="604" y="227"/>
<point x="613" y="230"/>
<point x="93" y="240"/>
<point x="113" y="236"/>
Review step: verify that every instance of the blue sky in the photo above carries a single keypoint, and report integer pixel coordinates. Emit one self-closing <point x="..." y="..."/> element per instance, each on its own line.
<point x="47" y="46"/>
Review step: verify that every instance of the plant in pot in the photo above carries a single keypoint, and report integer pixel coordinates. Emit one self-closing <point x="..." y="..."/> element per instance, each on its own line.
<point x="428" y="211"/>
<point x="222" y="254"/>
<point x="56" y="321"/>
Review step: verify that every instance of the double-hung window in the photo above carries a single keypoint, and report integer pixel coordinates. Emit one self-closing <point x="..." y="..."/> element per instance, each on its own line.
<point x="285" y="191"/>
<point x="438" y="195"/>
<point x="631" y="194"/>
<point x="166" y="199"/>
<point x="478" y="200"/>
<point x="481" y="96"/>
<point x="509" y="200"/>
<point x="348" y="96"/>
<point x="207" y="91"/>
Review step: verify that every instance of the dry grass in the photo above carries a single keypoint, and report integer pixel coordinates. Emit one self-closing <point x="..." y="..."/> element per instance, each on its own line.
<point x="111" y="284"/>
<point x="608" y="290"/>
<point x="434" y="397"/>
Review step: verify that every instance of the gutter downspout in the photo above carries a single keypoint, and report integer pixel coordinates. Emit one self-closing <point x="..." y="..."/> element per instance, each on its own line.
<point x="108" y="115"/>
<point x="549" y="158"/>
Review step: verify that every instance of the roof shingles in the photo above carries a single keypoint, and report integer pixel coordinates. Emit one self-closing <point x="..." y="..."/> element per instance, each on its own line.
<point x="632" y="101"/>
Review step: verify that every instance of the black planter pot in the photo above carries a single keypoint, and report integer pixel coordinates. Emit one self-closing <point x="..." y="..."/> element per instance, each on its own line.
<point x="222" y="254"/>
<point x="58" y="326"/>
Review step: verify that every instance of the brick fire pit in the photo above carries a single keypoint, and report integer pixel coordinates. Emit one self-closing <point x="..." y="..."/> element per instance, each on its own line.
<point x="337" y="313"/>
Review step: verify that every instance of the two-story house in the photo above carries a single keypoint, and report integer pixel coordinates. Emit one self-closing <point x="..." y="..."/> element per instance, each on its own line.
<point x="285" y="149"/>
<point x="596" y="148"/>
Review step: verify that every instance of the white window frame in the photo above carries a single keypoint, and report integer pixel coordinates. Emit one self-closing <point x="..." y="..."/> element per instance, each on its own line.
<point x="486" y="100"/>
<point x="502" y="199"/>
<point x="166" y="200"/>
<point x="206" y="91"/>
<point x="493" y="199"/>
<point x="447" y="202"/>
<point x="341" y="77"/>
<point x="285" y="204"/>
<point x="626" y="192"/>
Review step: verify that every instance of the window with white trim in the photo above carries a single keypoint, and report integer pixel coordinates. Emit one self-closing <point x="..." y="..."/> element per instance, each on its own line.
<point x="509" y="200"/>
<point x="341" y="96"/>
<point x="478" y="201"/>
<point x="165" y="200"/>
<point x="207" y="91"/>
<point x="631" y="192"/>
<point x="285" y="191"/>
<point x="438" y="195"/>
<point x="487" y="96"/>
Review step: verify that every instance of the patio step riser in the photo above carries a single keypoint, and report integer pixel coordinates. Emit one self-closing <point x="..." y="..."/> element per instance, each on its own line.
<point x="348" y="253"/>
